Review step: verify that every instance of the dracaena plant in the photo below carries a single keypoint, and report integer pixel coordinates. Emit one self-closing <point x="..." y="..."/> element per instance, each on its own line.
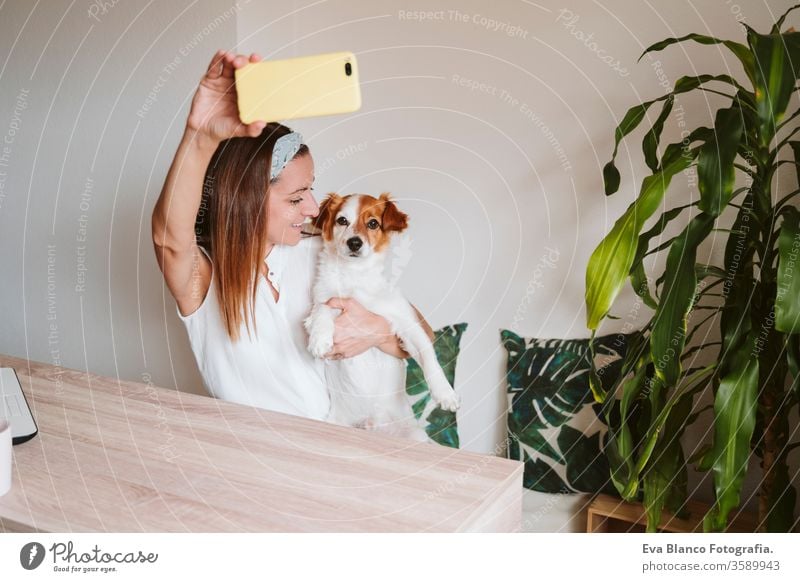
<point x="752" y="300"/>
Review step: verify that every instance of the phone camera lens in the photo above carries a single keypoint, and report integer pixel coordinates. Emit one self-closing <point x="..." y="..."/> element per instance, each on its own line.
<point x="348" y="69"/>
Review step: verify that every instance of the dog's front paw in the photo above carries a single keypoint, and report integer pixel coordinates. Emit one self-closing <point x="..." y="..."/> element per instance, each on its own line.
<point x="320" y="344"/>
<point x="451" y="402"/>
<point x="446" y="398"/>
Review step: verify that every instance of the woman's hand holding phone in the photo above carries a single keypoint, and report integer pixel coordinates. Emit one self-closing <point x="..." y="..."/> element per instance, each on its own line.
<point x="214" y="115"/>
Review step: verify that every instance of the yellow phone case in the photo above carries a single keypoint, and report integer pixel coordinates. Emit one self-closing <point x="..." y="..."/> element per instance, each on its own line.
<point x="299" y="87"/>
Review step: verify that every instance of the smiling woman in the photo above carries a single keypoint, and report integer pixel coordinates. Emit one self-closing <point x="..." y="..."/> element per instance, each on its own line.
<point x="228" y="235"/>
<point x="289" y="207"/>
<point x="260" y="197"/>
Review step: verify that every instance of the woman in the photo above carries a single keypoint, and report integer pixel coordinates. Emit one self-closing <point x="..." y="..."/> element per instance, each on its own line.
<point x="245" y="192"/>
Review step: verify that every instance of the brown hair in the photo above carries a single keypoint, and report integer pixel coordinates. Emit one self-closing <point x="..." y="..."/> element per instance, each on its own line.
<point x="231" y="223"/>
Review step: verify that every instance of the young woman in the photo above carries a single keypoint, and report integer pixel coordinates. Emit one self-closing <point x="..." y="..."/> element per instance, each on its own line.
<point x="245" y="192"/>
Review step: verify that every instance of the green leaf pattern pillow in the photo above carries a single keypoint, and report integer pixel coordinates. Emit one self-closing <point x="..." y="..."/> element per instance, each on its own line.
<point x="441" y="424"/>
<point x="554" y="425"/>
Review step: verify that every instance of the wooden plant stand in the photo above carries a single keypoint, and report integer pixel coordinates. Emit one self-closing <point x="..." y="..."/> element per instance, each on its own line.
<point x="612" y="515"/>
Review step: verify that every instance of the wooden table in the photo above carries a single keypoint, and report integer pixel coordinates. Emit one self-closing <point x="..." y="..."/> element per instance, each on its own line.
<point x="122" y="456"/>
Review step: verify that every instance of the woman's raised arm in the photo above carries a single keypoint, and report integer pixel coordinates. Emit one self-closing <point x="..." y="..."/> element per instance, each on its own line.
<point x="213" y="117"/>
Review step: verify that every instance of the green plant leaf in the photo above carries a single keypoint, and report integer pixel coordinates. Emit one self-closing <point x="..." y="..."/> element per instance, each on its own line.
<point x="680" y="284"/>
<point x="442" y="427"/>
<point x="635" y="114"/>
<point x="787" y="300"/>
<point x="611" y="261"/>
<point x="641" y="286"/>
<point x="777" y="26"/>
<point x="539" y="476"/>
<point x="663" y="481"/>
<point x="555" y="373"/>
<point x="777" y="64"/>
<point x="741" y="51"/>
<point x="703" y="271"/>
<point x="547" y="379"/>
<point x="633" y="117"/>
<point x="522" y="429"/>
<point x="686" y="389"/>
<point x="548" y="401"/>
<point x="519" y="358"/>
<point x="635" y="346"/>
<point x="738" y="284"/>
<point x="703" y="457"/>
<point x="735" y="407"/>
<point x="679" y="418"/>
<point x="620" y="468"/>
<point x="651" y="138"/>
<point x="623" y="473"/>
<point x="715" y="171"/>
<point x="415" y="380"/>
<point x="587" y="468"/>
<point x="419" y="406"/>
<point x="637" y="274"/>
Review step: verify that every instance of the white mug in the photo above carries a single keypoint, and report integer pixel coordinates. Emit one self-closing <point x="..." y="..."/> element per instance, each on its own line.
<point x="5" y="456"/>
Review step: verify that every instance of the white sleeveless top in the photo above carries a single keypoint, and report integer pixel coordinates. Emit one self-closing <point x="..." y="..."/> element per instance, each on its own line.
<point x="274" y="369"/>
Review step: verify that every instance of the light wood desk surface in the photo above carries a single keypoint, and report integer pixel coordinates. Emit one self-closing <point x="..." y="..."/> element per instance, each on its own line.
<point x="122" y="456"/>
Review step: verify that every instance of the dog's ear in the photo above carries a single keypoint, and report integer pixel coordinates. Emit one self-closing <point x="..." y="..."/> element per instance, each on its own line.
<point x="327" y="214"/>
<point x="392" y="218"/>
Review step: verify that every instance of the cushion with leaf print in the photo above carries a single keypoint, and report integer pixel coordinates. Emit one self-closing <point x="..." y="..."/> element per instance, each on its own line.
<point x="554" y="425"/>
<point x="440" y="424"/>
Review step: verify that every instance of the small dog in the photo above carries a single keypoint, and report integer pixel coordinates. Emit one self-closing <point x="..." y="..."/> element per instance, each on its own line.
<point x="368" y="390"/>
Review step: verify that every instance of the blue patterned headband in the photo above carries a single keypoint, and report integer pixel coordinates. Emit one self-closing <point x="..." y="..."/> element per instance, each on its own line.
<point x="283" y="151"/>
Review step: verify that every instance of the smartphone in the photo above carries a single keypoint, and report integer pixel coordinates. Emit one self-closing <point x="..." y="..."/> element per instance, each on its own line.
<point x="301" y="87"/>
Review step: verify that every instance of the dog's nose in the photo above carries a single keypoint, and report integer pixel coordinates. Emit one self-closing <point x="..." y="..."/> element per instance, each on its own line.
<point x="354" y="243"/>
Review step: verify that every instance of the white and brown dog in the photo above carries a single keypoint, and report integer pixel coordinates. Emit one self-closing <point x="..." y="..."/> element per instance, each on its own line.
<point x="368" y="390"/>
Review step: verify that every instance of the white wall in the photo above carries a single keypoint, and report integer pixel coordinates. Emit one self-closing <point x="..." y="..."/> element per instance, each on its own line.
<point x="108" y="90"/>
<point x="502" y="182"/>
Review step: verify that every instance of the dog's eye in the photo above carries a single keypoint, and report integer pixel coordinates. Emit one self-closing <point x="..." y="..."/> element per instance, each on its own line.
<point x="342" y="220"/>
<point x="373" y="224"/>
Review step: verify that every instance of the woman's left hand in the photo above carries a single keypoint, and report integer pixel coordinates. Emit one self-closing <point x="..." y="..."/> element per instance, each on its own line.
<point x="357" y="329"/>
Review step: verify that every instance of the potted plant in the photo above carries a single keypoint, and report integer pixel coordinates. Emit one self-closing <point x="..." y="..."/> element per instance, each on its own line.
<point x="752" y="300"/>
